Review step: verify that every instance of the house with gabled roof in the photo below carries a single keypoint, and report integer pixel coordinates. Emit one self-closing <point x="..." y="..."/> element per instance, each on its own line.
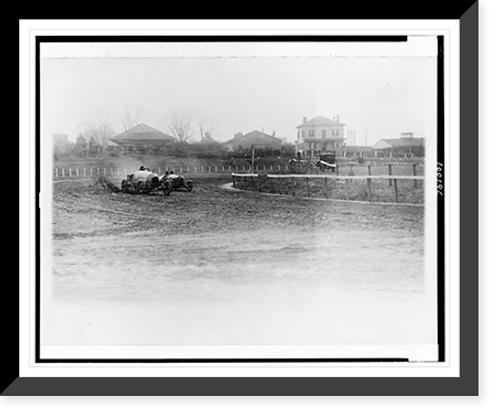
<point x="255" y="139"/>
<point x="142" y="137"/>
<point x="320" y="135"/>
<point x="208" y="139"/>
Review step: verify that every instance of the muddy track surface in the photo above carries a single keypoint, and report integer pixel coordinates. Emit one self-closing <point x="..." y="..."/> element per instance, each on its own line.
<point x="87" y="208"/>
<point x="211" y="224"/>
<point x="229" y="257"/>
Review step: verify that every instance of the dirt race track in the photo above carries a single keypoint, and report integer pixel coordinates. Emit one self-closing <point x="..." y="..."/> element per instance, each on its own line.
<point x="228" y="266"/>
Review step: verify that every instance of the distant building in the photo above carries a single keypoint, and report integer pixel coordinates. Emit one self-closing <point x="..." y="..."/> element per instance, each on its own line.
<point x="320" y="135"/>
<point x="142" y="138"/>
<point x="255" y="139"/>
<point x="207" y="139"/>
<point x="82" y="146"/>
<point x="81" y="141"/>
<point x="406" y="144"/>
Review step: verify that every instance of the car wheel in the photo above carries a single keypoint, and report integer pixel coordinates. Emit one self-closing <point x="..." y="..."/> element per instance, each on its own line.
<point x="189" y="186"/>
<point x="167" y="188"/>
<point x="138" y="188"/>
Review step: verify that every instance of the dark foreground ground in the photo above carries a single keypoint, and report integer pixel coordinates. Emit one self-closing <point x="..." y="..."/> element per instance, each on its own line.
<point x="220" y="266"/>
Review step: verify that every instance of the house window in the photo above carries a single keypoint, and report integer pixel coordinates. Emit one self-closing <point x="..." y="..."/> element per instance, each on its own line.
<point x="335" y="132"/>
<point x="323" y="133"/>
<point x="311" y="133"/>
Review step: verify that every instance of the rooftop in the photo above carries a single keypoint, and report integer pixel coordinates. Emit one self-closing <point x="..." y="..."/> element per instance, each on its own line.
<point x="404" y="141"/>
<point x="254" y="134"/>
<point x="320" y="121"/>
<point x="141" y="133"/>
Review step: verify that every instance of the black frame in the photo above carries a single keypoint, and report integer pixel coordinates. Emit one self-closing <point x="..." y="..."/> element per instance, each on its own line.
<point x="467" y="384"/>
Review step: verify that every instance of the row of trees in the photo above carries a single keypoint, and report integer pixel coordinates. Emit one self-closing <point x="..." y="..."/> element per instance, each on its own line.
<point x="198" y="150"/>
<point x="183" y="126"/>
<point x="192" y="136"/>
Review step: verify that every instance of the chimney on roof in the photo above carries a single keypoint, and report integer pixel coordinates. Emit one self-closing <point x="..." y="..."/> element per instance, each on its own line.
<point x="338" y="118"/>
<point x="304" y="119"/>
<point x="274" y="133"/>
<point x="238" y="135"/>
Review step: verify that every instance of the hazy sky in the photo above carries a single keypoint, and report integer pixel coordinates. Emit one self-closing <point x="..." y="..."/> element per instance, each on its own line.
<point x="382" y="95"/>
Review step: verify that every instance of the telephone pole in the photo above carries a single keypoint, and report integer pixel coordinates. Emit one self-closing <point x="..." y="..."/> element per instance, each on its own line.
<point x="253" y="159"/>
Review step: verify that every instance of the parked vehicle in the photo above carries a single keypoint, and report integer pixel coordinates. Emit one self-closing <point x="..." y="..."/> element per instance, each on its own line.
<point x="327" y="162"/>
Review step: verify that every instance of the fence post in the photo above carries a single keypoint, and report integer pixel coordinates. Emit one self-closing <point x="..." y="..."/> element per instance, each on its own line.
<point x="308" y="187"/>
<point x="396" y="189"/>
<point x="326" y="187"/>
<point x="390" y="173"/>
<point x="369" y="183"/>
<point x="369" y="188"/>
<point x="415" y="183"/>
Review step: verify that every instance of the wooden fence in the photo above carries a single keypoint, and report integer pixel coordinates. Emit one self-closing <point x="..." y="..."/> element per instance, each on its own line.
<point x="274" y="182"/>
<point x="84" y="172"/>
<point x="115" y="171"/>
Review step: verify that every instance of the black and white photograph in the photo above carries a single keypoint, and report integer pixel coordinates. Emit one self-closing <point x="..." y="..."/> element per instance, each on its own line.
<point x="239" y="200"/>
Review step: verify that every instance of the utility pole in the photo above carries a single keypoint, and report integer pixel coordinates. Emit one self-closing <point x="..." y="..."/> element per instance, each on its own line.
<point x="253" y="159"/>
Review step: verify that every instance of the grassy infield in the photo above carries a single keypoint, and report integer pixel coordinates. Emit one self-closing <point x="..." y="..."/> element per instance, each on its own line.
<point x="378" y="190"/>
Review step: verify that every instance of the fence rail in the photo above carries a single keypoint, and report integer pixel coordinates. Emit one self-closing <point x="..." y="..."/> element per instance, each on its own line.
<point x="369" y="192"/>
<point x="123" y="171"/>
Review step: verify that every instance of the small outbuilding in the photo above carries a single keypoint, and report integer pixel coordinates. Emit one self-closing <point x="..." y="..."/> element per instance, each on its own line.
<point x="405" y="145"/>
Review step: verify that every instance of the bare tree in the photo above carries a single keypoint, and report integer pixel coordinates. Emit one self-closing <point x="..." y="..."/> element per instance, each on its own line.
<point x="179" y="125"/>
<point x="130" y="116"/>
<point x="101" y="129"/>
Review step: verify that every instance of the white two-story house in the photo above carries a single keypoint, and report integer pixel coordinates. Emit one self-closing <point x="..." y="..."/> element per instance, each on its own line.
<point x="320" y="135"/>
